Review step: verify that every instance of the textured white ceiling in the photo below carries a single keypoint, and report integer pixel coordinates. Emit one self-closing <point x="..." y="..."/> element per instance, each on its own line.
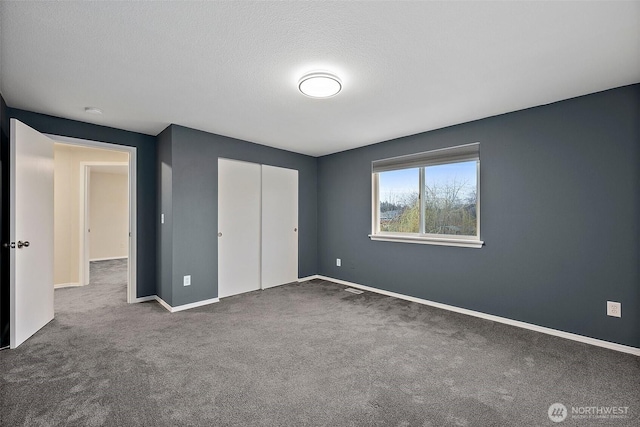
<point x="232" y="68"/>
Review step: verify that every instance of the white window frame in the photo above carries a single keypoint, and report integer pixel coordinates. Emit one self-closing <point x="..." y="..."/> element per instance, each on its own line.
<point x="462" y="153"/>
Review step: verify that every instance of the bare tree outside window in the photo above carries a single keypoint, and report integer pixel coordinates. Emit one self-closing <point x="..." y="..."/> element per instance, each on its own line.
<point x="399" y="208"/>
<point x="450" y="200"/>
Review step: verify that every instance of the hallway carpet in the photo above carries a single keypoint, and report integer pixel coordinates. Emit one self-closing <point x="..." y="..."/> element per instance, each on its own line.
<point x="307" y="354"/>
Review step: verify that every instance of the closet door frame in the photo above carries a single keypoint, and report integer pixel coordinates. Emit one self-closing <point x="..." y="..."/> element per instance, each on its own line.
<point x="257" y="226"/>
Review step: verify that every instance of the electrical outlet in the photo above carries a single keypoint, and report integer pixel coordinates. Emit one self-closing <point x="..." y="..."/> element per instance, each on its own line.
<point x="338" y="262"/>
<point x="187" y="280"/>
<point x="614" y="309"/>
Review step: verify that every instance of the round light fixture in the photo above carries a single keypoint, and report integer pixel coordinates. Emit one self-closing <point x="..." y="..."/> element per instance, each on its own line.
<point x="320" y="84"/>
<point x="92" y="110"/>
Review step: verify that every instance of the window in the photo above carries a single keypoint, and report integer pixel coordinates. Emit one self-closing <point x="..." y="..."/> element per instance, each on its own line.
<point x="431" y="197"/>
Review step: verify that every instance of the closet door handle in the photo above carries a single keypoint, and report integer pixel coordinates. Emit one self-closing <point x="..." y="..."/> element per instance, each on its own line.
<point x="220" y="234"/>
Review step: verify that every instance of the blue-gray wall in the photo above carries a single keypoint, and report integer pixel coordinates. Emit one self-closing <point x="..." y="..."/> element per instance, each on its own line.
<point x="193" y="196"/>
<point x="4" y="225"/>
<point x="4" y="118"/>
<point x="146" y="213"/>
<point x="560" y="212"/>
<point x="559" y="205"/>
<point x="165" y="230"/>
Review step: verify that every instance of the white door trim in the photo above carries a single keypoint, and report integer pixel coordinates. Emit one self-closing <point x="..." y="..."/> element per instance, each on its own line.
<point x="132" y="271"/>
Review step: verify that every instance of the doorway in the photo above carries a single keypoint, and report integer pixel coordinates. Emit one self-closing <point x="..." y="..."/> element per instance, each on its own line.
<point x="104" y="214"/>
<point x="99" y="175"/>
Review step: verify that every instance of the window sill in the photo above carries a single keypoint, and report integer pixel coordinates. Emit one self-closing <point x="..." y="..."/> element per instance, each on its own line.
<point x="424" y="240"/>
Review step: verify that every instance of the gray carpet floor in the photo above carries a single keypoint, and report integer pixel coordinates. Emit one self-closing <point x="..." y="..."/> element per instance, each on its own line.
<point x="307" y="354"/>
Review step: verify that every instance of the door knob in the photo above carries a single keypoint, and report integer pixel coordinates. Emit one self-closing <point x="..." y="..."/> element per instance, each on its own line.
<point x="220" y="234"/>
<point x="21" y="244"/>
<point x="295" y="230"/>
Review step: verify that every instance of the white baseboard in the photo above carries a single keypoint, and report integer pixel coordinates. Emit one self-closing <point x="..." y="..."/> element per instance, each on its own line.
<point x="162" y="303"/>
<point x="567" y="335"/>
<point x="108" y="258"/>
<point x="144" y="299"/>
<point x="185" y="306"/>
<point x="66" y="285"/>
<point x="305" y="279"/>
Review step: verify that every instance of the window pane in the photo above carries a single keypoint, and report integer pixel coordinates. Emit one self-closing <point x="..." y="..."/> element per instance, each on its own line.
<point x="450" y="196"/>
<point x="399" y="208"/>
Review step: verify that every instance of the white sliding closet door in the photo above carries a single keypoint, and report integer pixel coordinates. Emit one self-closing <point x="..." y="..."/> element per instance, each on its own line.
<point x="238" y="227"/>
<point x="279" y="226"/>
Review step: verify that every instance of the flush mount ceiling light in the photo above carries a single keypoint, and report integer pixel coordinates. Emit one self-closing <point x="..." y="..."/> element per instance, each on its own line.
<point x="320" y="84"/>
<point x="92" y="110"/>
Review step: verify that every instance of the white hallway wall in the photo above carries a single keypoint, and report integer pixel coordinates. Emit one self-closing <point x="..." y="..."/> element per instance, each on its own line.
<point x="67" y="161"/>
<point x="108" y="215"/>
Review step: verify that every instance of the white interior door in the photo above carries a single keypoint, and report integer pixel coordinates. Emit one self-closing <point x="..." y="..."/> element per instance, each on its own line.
<point x="238" y="227"/>
<point x="279" y="226"/>
<point x="31" y="231"/>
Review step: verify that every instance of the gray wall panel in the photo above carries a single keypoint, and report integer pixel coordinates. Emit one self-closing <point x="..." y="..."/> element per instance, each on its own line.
<point x="560" y="213"/>
<point x="5" y="307"/>
<point x="195" y="206"/>
<point x="165" y="206"/>
<point x="559" y="206"/>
